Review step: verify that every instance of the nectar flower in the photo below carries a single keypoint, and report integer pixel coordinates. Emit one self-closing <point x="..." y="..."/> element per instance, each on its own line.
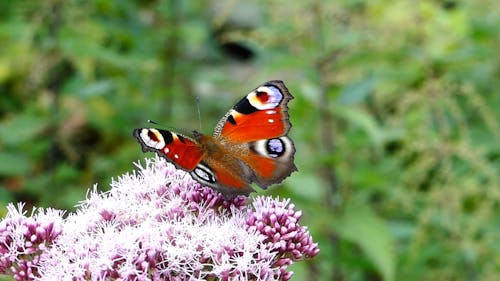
<point x="156" y="224"/>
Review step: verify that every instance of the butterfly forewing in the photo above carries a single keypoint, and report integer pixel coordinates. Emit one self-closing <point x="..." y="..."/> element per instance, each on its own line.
<point x="262" y="114"/>
<point x="182" y="151"/>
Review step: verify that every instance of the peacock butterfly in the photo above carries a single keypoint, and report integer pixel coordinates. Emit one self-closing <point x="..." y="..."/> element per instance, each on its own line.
<point x="249" y="144"/>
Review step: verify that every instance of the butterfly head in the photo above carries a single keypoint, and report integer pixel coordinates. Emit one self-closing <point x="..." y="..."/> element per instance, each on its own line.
<point x="196" y="134"/>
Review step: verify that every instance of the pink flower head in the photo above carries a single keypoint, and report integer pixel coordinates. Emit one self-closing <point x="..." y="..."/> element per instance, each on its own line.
<point x="156" y="224"/>
<point x="23" y="239"/>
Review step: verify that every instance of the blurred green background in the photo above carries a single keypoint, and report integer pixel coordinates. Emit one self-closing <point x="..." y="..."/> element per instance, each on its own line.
<point x="395" y="117"/>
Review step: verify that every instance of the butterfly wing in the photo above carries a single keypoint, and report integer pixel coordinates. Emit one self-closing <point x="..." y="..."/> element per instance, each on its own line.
<point x="262" y="114"/>
<point x="249" y="144"/>
<point x="257" y="127"/>
<point x="207" y="166"/>
<point x="185" y="153"/>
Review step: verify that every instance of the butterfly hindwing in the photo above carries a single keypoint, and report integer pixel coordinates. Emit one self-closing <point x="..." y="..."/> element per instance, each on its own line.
<point x="272" y="160"/>
<point x="182" y="151"/>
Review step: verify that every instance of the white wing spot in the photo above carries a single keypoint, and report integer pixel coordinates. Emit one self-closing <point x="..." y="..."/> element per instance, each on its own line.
<point x="176" y="156"/>
<point x="202" y="174"/>
<point x="150" y="142"/>
<point x="270" y="111"/>
<point x="270" y="120"/>
<point x="274" y="97"/>
<point x="166" y="150"/>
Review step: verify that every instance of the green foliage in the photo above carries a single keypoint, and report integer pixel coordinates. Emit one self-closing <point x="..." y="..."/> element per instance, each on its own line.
<point x="395" y="118"/>
<point x="359" y="225"/>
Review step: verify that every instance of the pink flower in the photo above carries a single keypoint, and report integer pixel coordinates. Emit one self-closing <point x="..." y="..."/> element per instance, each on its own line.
<point x="23" y="239"/>
<point x="156" y="224"/>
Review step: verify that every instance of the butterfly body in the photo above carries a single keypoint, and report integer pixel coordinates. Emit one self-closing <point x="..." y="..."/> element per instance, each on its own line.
<point x="249" y="144"/>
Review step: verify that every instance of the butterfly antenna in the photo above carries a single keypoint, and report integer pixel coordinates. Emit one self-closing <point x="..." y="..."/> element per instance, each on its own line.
<point x="199" y="111"/>
<point x="153" y="122"/>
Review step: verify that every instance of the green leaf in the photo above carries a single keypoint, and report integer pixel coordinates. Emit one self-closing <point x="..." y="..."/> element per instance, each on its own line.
<point x="306" y="186"/>
<point x="368" y="124"/>
<point x="5" y="197"/>
<point x="86" y="90"/>
<point x="363" y="120"/>
<point x="21" y="129"/>
<point x="13" y="164"/>
<point x="361" y="226"/>
<point x="357" y="92"/>
<point x="6" y="278"/>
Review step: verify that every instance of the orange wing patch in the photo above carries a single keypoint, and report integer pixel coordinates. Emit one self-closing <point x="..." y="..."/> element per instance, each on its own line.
<point x="262" y="166"/>
<point x="262" y="124"/>
<point x="182" y="151"/>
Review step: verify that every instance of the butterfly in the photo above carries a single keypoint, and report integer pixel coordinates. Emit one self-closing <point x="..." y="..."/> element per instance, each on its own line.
<point x="249" y="144"/>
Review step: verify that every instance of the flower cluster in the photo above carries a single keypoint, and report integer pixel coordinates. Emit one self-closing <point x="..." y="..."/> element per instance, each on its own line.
<point x="156" y="224"/>
<point x="278" y="222"/>
<point x="23" y="239"/>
